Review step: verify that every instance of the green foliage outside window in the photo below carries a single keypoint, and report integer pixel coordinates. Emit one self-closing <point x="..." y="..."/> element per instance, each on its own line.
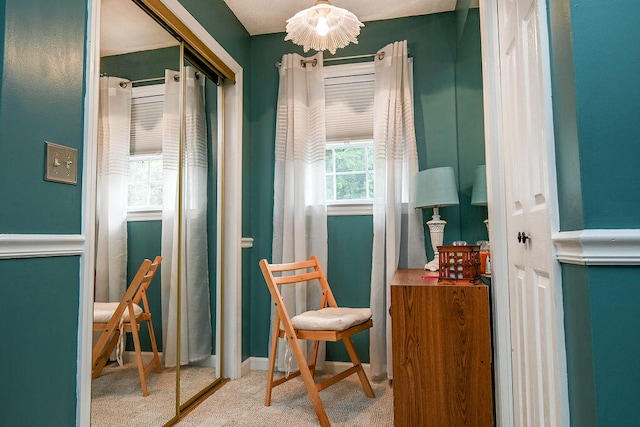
<point x="349" y="172"/>
<point x="145" y="182"/>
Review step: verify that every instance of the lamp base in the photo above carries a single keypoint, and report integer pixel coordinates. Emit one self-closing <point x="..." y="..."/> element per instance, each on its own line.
<point x="436" y="230"/>
<point x="433" y="265"/>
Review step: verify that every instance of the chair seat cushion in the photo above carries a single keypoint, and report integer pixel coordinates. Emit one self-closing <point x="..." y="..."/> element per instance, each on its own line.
<point x="102" y="311"/>
<point x="331" y="318"/>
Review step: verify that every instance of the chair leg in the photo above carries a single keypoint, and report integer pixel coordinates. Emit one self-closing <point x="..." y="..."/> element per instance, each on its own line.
<point x="152" y="336"/>
<point x="139" y="362"/>
<point x="272" y="360"/>
<point x="309" y="382"/>
<point x="366" y="386"/>
<point x="101" y="359"/>
<point x="314" y="357"/>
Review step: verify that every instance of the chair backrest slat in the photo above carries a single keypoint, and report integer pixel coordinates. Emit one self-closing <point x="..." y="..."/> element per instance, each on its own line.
<point x="317" y="273"/>
<point x="146" y="281"/>
<point x="296" y="278"/>
<point x="291" y="266"/>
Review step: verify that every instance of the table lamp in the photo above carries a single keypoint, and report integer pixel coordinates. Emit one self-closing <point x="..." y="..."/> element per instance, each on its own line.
<point x="435" y="188"/>
<point x="479" y="192"/>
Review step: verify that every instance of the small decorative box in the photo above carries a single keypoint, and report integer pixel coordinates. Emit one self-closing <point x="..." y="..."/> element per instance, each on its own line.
<point x="459" y="264"/>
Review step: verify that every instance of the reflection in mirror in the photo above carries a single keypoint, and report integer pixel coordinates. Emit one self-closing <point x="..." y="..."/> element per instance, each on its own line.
<point x="200" y="223"/>
<point x="135" y="54"/>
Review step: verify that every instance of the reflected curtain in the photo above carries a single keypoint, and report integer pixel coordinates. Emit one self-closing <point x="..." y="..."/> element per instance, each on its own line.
<point x="195" y="310"/>
<point x="300" y="214"/>
<point x="114" y="122"/>
<point x="398" y="233"/>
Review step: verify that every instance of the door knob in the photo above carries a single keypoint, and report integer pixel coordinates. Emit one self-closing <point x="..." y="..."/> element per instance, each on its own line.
<point x="522" y="237"/>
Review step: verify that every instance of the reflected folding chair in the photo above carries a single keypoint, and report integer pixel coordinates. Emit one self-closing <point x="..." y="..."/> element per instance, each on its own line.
<point x="115" y="319"/>
<point x="328" y="323"/>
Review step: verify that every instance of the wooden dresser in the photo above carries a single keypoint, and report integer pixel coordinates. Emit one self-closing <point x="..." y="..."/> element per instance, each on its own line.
<point x="441" y="352"/>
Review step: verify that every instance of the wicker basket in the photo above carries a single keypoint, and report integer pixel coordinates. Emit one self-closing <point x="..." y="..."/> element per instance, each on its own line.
<point x="459" y="264"/>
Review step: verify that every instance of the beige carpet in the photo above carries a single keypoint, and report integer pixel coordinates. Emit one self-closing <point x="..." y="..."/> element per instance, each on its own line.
<point x="116" y="397"/>
<point x="241" y="403"/>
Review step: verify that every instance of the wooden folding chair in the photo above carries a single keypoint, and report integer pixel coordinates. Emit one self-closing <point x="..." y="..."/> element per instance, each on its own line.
<point x="117" y="318"/>
<point x="328" y="323"/>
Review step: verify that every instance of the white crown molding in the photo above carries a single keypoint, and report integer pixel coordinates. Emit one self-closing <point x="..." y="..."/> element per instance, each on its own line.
<point x="40" y="245"/>
<point x="598" y="247"/>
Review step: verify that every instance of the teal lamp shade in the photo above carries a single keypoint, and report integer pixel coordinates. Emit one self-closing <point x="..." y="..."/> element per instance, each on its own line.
<point x="436" y="187"/>
<point x="479" y="193"/>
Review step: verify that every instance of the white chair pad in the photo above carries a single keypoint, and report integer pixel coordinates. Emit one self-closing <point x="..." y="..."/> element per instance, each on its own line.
<point x="331" y="318"/>
<point x="103" y="311"/>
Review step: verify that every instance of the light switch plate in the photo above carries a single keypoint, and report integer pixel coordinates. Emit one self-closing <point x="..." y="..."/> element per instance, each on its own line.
<point x="61" y="163"/>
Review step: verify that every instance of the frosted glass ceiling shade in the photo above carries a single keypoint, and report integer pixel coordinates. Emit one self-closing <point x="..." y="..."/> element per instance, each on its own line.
<point x="479" y="193"/>
<point x="436" y="187"/>
<point x="323" y="27"/>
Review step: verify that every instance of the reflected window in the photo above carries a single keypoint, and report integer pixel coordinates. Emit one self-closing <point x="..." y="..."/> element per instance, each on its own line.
<point x="145" y="160"/>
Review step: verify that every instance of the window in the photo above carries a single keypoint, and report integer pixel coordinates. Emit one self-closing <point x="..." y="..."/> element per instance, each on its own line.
<point x="349" y="173"/>
<point x="349" y="93"/>
<point x="145" y="159"/>
<point x="145" y="182"/>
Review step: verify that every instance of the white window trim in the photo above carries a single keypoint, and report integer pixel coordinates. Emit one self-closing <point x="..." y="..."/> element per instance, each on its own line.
<point x="144" y="215"/>
<point x="351" y="207"/>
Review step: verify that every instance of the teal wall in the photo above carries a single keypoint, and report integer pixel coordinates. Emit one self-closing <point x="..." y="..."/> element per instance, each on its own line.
<point x="440" y="85"/>
<point x="148" y="64"/>
<point x="41" y="99"/>
<point x="144" y="240"/>
<point x="596" y="136"/>
<point x="604" y="39"/>
<point x="39" y="330"/>
<point x="595" y="92"/>
<point x="350" y="245"/>
<point x="470" y="127"/>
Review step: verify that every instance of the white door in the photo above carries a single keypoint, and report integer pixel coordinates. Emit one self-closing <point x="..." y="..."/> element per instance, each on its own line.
<point x="537" y="335"/>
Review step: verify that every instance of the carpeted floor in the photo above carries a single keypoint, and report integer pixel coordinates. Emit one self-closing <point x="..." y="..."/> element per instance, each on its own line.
<point x="116" y="397"/>
<point x="241" y="403"/>
<point x="117" y="401"/>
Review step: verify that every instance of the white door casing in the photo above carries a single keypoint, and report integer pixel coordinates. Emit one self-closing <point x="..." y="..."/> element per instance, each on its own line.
<point x="537" y="332"/>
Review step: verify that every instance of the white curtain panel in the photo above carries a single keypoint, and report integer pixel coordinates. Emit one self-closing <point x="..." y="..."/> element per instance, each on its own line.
<point x="195" y="320"/>
<point x="114" y="119"/>
<point x="398" y="233"/>
<point x="300" y="213"/>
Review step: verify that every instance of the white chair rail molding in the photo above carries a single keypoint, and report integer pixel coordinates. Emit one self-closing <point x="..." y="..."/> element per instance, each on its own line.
<point x="598" y="247"/>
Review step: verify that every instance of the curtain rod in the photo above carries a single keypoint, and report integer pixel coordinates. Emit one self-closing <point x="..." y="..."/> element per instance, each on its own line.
<point x="314" y="61"/>
<point x="176" y="78"/>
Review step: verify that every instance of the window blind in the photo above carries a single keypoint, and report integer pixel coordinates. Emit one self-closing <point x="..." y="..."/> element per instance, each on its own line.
<point x="349" y="93"/>
<point x="146" y="124"/>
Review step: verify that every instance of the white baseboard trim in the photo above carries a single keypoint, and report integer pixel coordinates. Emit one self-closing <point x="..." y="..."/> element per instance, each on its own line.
<point x="40" y="245"/>
<point x="598" y="247"/>
<point x="130" y="356"/>
<point x="262" y="364"/>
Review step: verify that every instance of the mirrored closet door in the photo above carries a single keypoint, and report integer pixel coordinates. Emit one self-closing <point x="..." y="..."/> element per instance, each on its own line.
<point x="158" y="194"/>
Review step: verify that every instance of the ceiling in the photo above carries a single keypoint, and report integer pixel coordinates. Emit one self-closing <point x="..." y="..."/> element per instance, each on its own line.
<point x="126" y="28"/>
<point x="259" y="18"/>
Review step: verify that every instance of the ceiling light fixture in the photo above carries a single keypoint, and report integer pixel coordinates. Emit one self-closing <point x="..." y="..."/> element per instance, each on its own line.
<point x="323" y="27"/>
